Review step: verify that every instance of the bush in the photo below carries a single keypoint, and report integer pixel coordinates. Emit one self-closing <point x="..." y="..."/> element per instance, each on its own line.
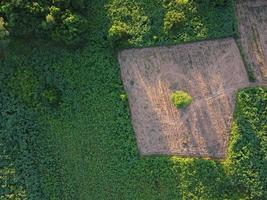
<point x="213" y="3"/>
<point x="173" y="19"/>
<point x="118" y="32"/>
<point x="218" y="2"/>
<point x="24" y="85"/>
<point x="55" y="19"/>
<point x="51" y="96"/>
<point x="78" y="4"/>
<point x="181" y="99"/>
<point x="124" y="97"/>
<point x="129" y="23"/>
<point x="3" y="35"/>
<point x="71" y="30"/>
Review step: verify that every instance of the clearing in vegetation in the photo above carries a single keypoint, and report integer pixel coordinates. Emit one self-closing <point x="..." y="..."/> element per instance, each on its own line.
<point x="252" y="17"/>
<point x="210" y="71"/>
<point x="85" y="147"/>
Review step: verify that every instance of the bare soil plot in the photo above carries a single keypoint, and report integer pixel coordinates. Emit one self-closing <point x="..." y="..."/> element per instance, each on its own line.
<point x="211" y="71"/>
<point x="252" y="17"/>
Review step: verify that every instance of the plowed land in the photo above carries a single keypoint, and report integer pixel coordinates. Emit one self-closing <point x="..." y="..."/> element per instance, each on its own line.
<point x="252" y="18"/>
<point x="210" y="71"/>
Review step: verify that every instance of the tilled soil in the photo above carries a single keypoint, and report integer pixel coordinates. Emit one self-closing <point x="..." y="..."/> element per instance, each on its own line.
<point x="210" y="71"/>
<point x="252" y="21"/>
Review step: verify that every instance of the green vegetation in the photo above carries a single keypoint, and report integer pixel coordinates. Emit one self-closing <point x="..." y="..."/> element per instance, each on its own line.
<point x="247" y="154"/>
<point x="129" y="22"/>
<point x="3" y="36"/>
<point x="52" y="96"/>
<point x="148" y="23"/>
<point x="24" y="84"/>
<point x="181" y="99"/>
<point x="173" y="19"/>
<point x="60" y="20"/>
<point x="248" y="66"/>
<point x="30" y="166"/>
<point x="85" y="148"/>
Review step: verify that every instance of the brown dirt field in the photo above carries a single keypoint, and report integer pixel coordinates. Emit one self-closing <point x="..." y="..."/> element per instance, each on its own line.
<point x="210" y="71"/>
<point x="252" y="17"/>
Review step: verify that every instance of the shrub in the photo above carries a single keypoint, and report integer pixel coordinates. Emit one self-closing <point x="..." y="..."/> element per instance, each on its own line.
<point x="54" y="11"/>
<point x="50" y="19"/>
<point x="218" y="2"/>
<point x="54" y="19"/>
<point x="173" y="19"/>
<point x="213" y="2"/>
<point x="128" y="22"/>
<point x="78" y="4"/>
<point x="123" y="97"/>
<point x="118" y="32"/>
<point x="3" y="35"/>
<point x="51" y="96"/>
<point x="24" y="85"/>
<point x="71" y="30"/>
<point x="182" y="2"/>
<point x="181" y="99"/>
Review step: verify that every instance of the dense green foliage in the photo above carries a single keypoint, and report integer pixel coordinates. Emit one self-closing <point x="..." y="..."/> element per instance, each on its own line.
<point x="29" y="166"/>
<point x="3" y="35"/>
<point x="143" y="22"/>
<point x="216" y="2"/>
<point x="181" y="99"/>
<point x="247" y="154"/>
<point x="129" y="22"/>
<point x="173" y="19"/>
<point x="60" y="20"/>
<point x="25" y="146"/>
<point x="85" y="148"/>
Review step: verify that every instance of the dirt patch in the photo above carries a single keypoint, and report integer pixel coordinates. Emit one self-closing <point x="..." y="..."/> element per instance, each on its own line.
<point x="252" y="19"/>
<point x="210" y="71"/>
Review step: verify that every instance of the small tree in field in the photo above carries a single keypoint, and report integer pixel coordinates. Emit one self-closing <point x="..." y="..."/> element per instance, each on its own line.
<point x="181" y="99"/>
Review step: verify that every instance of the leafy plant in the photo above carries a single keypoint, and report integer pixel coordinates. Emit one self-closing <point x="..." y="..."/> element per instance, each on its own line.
<point x="173" y="19"/>
<point x="71" y="30"/>
<point x="53" y="19"/>
<point x="119" y="31"/>
<point x="24" y="85"/>
<point x="218" y="2"/>
<point x="128" y="21"/>
<point x="181" y="99"/>
<point x="124" y="97"/>
<point x="3" y="35"/>
<point x="51" y="96"/>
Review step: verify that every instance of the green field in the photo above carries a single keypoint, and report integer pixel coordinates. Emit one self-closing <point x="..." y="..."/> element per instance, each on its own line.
<point x="80" y="144"/>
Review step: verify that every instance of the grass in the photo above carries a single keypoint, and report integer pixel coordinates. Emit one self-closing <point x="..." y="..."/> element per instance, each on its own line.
<point x="92" y="139"/>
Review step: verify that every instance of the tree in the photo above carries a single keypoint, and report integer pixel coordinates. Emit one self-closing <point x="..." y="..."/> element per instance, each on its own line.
<point x="60" y="20"/>
<point x="3" y="36"/>
<point x="181" y="99"/>
<point x="173" y="19"/>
